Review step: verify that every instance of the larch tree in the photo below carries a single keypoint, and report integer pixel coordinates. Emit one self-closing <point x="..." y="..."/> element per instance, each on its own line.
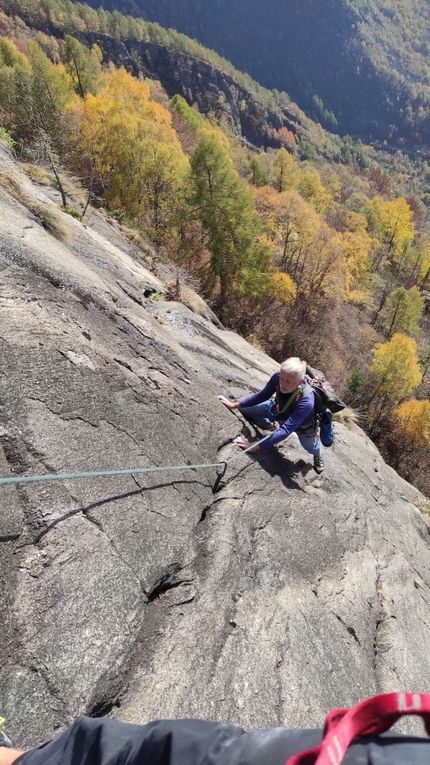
<point x="36" y="97"/>
<point x="306" y="248"/>
<point x="391" y="222"/>
<point x="403" y="311"/>
<point x="422" y="261"/>
<point x="83" y="65"/>
<point x="312" y="189"/>
<point x="412" y="422"/>
<point x="258" y="174"/>
<point x="286" y="171"/>
<point x="356" y="265"/>
<point x="225" y="210"/>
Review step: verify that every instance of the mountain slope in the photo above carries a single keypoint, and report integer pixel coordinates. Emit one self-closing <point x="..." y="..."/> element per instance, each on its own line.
<point x="368" y="60"/>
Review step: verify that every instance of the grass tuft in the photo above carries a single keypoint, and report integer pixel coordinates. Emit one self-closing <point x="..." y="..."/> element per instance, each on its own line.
<point x="73" y="212"/>
<point x="423" y="504"/>
<point x="10" y="182"/>
<point x="38" y="174"/>
<point x="349" y="416"/>
<point x="48" y="215"/>
<point x="52" y="220"/>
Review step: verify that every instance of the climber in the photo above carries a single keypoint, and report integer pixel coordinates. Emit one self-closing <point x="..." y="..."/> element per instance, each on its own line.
<point x="293" y="408"/>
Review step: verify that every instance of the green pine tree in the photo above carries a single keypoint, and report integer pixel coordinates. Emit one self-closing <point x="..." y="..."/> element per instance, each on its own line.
<point x="225" y="209"/>
<point x="83" y="65"/>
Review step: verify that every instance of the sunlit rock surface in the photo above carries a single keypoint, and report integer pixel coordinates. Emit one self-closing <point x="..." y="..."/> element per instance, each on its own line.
<point x="269" y="603"/>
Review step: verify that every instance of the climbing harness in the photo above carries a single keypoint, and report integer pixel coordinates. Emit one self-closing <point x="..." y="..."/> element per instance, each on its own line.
<point x="130" y="471"/>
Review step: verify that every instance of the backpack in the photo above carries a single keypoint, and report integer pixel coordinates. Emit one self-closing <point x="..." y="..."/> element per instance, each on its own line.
<point x="104" y="741"/>
<point x="325" y="397"/>
<point x="361" y="726"/>
<point x="326" y="402"/>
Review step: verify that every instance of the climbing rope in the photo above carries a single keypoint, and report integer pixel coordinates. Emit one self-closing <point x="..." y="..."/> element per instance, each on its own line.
<point x="129" y="471"/>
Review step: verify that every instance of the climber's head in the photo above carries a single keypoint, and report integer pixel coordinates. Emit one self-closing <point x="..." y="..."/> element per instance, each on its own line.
<point x="292" y="374"/>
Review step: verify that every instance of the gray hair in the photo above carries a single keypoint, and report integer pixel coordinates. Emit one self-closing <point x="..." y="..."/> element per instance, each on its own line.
<point x="294" y="365"/>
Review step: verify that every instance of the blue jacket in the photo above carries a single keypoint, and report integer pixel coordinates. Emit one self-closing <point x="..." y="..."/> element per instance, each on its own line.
<point x="303" y="414"/>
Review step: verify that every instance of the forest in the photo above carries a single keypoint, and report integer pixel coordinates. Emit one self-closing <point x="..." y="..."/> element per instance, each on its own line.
<point x="356" y="66"/>
<point x="301" y="256"/>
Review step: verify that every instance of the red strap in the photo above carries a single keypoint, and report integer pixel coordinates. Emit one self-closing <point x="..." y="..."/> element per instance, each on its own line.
<point x="369" y="718"/>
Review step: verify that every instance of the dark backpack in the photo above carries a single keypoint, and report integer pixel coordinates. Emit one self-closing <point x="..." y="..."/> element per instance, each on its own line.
<point x="103" y="741"/>
<point x="325" y="397"/>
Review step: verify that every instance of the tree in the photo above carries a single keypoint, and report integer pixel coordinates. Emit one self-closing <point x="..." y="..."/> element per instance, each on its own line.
<point x="312" y="189"/>
<point x="356" y="265"/>
<point x="403" y="311"/>
<point x="395" y="367"/>
<point x="283" y="288"/>
<point x="83" y="66"/>
<point x="195" y="119"/>
<point x="422" y="261"/>
<point x="258" y="174"/>
<point x="391" y="222"/>
<point x="286" y="170"/>
<point x="134" y="151"/>
<point x="35" y="96"/>
<point x="307" y="250"/>
<point x="412" y="422"/>
<point x="225" y="210"/>
<point x="286" y="137"/>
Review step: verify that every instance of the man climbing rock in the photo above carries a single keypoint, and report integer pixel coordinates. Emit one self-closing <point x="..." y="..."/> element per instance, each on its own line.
<point x="293" y="408"/>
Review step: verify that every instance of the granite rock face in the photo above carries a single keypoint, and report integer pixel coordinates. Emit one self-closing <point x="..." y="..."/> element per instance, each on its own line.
<point x="268" y="603"/>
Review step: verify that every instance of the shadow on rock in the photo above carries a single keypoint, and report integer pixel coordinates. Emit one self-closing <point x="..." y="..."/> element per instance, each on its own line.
<point x="277" y="464"/>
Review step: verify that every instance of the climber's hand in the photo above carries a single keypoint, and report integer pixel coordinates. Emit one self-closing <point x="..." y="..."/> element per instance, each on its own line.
<point x="245" y="444"/>
<point x="229" y="404"/>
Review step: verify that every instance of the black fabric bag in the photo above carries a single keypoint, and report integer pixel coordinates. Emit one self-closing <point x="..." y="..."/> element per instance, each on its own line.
<point x="325" y="397"/>
<point x="197" y="742"/>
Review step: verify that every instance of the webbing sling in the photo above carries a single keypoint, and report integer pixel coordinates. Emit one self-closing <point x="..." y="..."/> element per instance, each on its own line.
<point x="369" y="718"/>
<point x="299" y="389"/>
<point x="290" y="400"/>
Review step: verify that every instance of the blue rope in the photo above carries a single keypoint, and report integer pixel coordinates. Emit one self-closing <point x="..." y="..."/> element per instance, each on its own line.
<point x="130" y="471"/>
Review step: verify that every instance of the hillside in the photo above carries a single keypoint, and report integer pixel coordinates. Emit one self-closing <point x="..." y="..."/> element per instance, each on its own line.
<point x="358" y="66"/>
<point x="182" y="66"/>
<point x="148" y="595"/>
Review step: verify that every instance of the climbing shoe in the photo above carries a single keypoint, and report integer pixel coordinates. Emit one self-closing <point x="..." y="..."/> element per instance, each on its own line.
<point x="4" y="739"/>
<point x="318" y="463"/>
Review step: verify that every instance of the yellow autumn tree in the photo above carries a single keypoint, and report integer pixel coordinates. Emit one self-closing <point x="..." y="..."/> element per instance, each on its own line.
<point x="391" y="222"/>
<point x="356" y="264"/>
<point x="422" y="261"/>
<point x="395" y="367"/>
<point x="403" y="311"/>
<point x="283" y="288"/>
<point x="312" y="189"/>
<point x="286" y="171"/>
<point x="307" y="249"/>
<point x="412" y="421"/>
<point x="133" y="148"/>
